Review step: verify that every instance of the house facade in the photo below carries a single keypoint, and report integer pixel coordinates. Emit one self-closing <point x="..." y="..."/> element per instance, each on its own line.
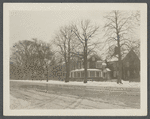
<point x="95" y="69"/>
<point x="130" y="67"/>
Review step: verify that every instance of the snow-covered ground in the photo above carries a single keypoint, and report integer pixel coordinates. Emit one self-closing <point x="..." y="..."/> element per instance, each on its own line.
<point x="126" y="84"/>
<point x="16" y="103"/>
<point x="27" y="94"/>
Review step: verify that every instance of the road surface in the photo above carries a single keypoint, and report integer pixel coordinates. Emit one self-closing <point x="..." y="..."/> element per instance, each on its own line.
<point x="27" y="95"/>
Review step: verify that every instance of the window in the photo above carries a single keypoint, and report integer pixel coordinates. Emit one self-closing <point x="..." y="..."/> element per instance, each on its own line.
<point x="75" y="74"/>
<point x="97" y="74"/>
<point x="116" y="73"/>
<point x="74" y="66"/>
<point x="98" y="65"/>
<point x="78" y="74"/>
<point x="72" y="74"/>
<point x="78" y="65"/>
<point x="81" y="65"/>
<point x="82" y="74"/>
<point x="92" y="74"/>
<point x="100" y="74"/>
<point x="93" y="58"/>
<point x="104" y="74"/>
<point x="88" y="73"/>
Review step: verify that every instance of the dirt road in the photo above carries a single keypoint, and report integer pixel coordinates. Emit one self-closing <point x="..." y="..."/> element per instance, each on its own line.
<point x="25" y="95"/>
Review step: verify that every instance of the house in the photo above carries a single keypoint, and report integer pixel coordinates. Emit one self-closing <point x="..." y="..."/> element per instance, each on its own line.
<point x="95" y="69"/>
<point x="130" y="67"/>
<point x="94" y="62"/>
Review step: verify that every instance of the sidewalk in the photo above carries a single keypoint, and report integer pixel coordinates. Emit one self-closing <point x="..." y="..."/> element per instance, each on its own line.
<point x="125" y="84"/>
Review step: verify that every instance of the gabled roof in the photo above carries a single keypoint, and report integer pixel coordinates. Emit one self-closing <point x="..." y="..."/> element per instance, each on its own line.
<point x="94" y="55"/>
<point x="131" y="53"/>
<point x="87" y="70"/>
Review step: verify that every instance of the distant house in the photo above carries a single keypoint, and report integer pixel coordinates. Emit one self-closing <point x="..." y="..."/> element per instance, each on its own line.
<point x="130" y="67"/>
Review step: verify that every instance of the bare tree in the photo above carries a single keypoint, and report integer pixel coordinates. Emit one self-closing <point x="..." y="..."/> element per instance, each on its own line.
<point x="136" y="15"/>
<point x="119" y="26"/>
<point x="65" y="40"/>
<point x="85" y="32"/>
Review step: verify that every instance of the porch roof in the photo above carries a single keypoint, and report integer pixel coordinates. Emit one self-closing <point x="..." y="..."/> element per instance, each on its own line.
<point x="87" y="70"/>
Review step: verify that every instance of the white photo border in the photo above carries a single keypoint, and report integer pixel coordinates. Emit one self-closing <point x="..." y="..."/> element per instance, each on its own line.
<point x="7" y="7"/>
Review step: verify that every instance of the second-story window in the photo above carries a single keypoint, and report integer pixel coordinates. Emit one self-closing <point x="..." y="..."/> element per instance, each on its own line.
<point x="98" y="65"/>
<point x="93" y="58"/>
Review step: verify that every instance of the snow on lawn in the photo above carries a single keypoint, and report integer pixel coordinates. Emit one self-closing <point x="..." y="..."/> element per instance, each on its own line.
<point x="16" y="103"/>
<point x="89" y="83"/>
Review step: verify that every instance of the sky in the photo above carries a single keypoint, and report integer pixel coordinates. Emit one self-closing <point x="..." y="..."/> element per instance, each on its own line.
<point x="25" y="25"/>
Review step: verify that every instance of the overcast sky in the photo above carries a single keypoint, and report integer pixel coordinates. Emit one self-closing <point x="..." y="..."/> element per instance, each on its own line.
<point x="42" y="21"/>
<point x="25" y="25"/>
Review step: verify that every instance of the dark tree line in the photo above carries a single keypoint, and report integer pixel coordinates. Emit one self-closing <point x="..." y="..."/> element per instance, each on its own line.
<point x="31" y="58"/>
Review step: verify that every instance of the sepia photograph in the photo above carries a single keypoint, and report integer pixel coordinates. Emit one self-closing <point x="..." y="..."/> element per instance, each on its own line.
<point x="75" y="59"/>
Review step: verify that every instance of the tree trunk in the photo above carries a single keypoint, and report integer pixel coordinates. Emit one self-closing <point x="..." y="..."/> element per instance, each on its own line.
<point x="119" y="61"/>
<point x="85" y="62"/>
<point x="47" y="73"/>
<point x="68" y="68"/>
<point x="119" y="51"/>
<point x="67" y="73"/>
